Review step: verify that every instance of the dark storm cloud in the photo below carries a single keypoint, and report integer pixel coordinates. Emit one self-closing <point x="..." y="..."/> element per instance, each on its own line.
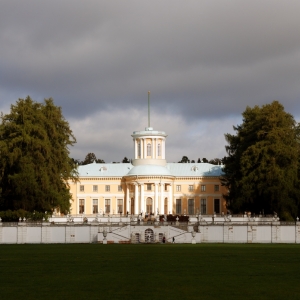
<point x="200" y="59"/>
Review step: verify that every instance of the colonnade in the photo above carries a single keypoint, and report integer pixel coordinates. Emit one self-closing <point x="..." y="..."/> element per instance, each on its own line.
<point x="157" y="195"/>
<point x="157" y="148"/>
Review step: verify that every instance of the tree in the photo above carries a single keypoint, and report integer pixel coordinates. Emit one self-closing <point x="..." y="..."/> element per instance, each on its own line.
<point x="184" y="160"/>
<point x="125" y="160"/>
<point x="90" y="158"/>
<point x="262" y="167"/>
<point x="215" y="161"/>
<point x="34" y="163"/>
<point x="204" y="160"/>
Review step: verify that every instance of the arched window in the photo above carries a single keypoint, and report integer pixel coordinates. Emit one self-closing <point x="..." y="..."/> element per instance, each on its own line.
<point x="149" y="149"/>
<point x="158" y="150"/>
<point x="139" y="149"/>
<point x="149" y="205"/>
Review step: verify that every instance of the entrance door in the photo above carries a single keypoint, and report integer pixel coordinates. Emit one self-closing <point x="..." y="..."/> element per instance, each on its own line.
<point x="149" y="205"/>
<point x="149" y="236"/>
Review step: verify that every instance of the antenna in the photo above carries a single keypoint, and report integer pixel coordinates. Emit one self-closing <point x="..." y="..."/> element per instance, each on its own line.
<point x="149" y="109"/>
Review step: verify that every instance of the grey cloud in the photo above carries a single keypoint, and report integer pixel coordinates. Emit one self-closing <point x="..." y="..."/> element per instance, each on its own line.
<point x="202" y="60"/>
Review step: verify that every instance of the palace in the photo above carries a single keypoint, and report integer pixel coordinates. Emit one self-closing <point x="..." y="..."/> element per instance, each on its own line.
<point x="149" y="185"/>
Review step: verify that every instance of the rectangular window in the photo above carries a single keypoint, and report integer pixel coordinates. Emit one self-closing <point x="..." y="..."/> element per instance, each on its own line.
<point x="217" y="206"/>
<point x="81" y="206"/>
<point x="149" y="185"/>
<point x="178" y="188"/>
<point x="120" y="206"/>
<point x="107" y="206"/>
<point x="95" y="188"/>
<point x="107" y="188"/>
<point x="166" y="187"/>
<point x="203" y="206"/>
<point x="178" y="206"/>
<point x="95" y="206"/>
<point x="191" y="188"/>
<point x="81" y="188"/>
<point x="148" y="149"/>
<point x="119" y="188"/>
<point x="217" y="188"/>
<point x="190" y="206"/>
<point x="203" y="188"/>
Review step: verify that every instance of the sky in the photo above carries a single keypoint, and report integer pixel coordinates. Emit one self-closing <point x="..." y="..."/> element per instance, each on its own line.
<point x="204" y="62"/>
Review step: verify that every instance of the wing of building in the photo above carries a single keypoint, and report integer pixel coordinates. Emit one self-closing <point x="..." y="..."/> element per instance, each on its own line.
<point x="149" y="185"/>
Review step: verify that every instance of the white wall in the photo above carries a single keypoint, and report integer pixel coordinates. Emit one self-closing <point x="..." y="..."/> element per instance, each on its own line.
<point x="252" y="232"/>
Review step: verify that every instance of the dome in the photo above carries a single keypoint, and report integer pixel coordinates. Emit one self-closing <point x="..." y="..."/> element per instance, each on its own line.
<point x="149" y="170"/>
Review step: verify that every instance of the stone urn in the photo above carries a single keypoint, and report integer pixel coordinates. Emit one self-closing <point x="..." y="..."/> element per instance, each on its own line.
<point x="104" y="236"/>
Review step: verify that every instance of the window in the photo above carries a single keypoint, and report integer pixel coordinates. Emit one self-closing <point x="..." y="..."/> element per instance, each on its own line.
<point x="107" y="188"/>
<point x="107" y="206"/>
<point x="95" y="188"/>
<point x="149" y="186"/>
<point x="81" y="206"/>
<point x="166" y="187"/>
<point x="120" y="206"/>
<point x="81" y="188"/>
<point x="203" y="206"/>
<point x="148" y="149"/>
<point x="178" y="188"/>
<point x="190" y="206"/>
<point x="217" y="188"/>
<point x="119" y="188"/>
<point x="158" y="150"/>
<point x="217" y="206"/>
<point x="95" y="206"/>
<point x="139" y="149"/>
<point x="203" y="188"/>
<point x="178" y="206"/>
<point x="191" y="188"/>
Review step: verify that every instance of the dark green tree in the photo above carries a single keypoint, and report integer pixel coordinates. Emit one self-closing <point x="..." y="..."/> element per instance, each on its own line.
<point x="34" y="163"/>
<point x="184" y="159"/>
<point x="90" y="158"/>
<point x="125" y="160"/>
<point x="262" y="167"/>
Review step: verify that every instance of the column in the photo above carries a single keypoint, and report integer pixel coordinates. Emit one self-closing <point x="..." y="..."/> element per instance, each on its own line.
<point x="135" y="149"/>
<point x="142" y="208"/>
<point x="142" y="148"/>
<point x="156" y="199"/>
<point x="145" y="148"/>
<point x="163" y="149"/>
<point x="136" y="199"/>
<point x="153" y="148"/>
<point x="162" y="202"/>
<point x="127" y="199"/>
<point x="170" y="201"/>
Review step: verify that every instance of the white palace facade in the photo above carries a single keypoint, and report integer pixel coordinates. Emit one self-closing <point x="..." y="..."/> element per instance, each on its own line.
<point x="149" y="185"/>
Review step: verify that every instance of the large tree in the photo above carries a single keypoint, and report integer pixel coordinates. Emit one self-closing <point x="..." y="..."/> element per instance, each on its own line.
<point x="262" y="167"/>
<point x="34" y="157"/>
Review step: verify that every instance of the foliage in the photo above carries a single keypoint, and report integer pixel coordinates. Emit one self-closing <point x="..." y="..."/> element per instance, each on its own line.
<point x="14" y="216"/>
<point x="184" y="159"/>
<point x="125" y="160"/>
<point x="90" y="158"/>
<point x="262" y="167"/>
<point x="35" y="164"/>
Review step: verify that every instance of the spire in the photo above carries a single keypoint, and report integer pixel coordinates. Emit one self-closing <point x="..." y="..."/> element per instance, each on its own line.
<point x="148" y="109"/>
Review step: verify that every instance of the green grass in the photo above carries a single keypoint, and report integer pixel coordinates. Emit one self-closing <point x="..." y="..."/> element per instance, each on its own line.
<point x="203" y="271"/>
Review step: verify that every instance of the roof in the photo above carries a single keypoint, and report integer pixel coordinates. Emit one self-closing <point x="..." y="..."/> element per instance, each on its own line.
<point x="104" y="170"/>
<point x="149" y="170"/>
<point x="171" y="169"/>
<point x="194" y="169"/>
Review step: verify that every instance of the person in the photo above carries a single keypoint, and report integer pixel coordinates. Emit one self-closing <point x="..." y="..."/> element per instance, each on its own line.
<point x="164" y="240"/>
<point x="173" y="240"/>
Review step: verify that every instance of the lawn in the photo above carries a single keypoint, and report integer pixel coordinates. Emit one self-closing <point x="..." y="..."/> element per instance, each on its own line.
<point x="203" y="271"/>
